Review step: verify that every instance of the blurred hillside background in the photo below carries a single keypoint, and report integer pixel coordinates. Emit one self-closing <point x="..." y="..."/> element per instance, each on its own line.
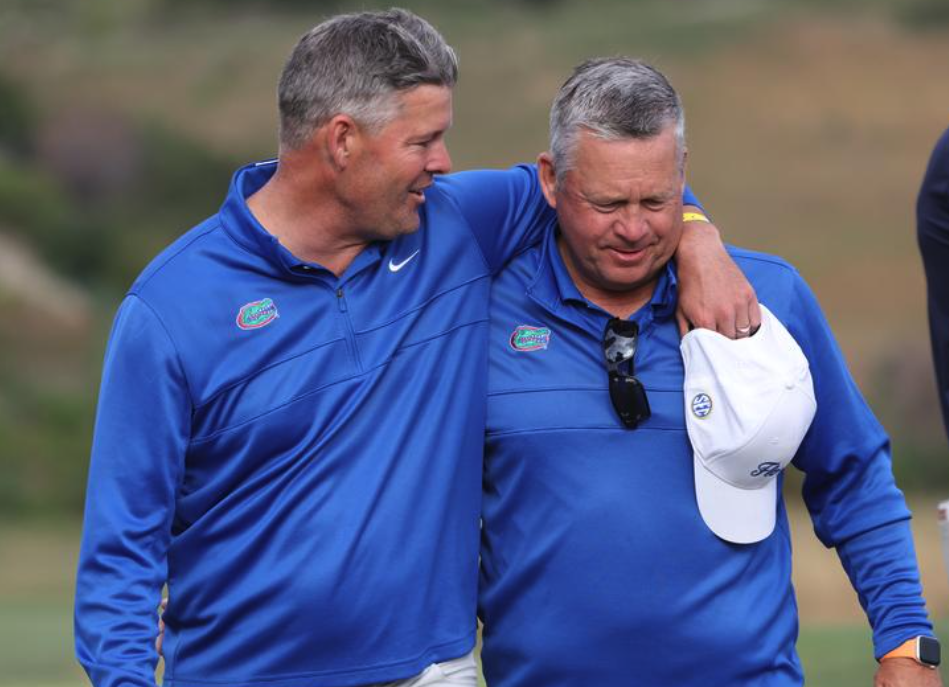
<point x="809" y="125"/>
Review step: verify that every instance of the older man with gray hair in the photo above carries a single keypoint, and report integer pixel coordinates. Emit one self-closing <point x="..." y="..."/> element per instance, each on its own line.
<point x="615" y="551"/>
<point x="291" y="414"/>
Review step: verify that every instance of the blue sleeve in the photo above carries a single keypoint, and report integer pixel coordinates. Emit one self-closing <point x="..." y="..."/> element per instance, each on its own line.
<point x="881" y="565"/>
<point x="142" y="425"/>
<point x="689" y="198"/>
<point x="932" y="233"/>
<point x="849" y="487"/>
<point x="506" y="209"/>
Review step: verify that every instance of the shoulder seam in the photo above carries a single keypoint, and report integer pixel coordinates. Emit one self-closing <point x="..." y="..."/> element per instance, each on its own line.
<point x="164" y="328"/>
<point x="471" y="231"/>
<point x="745" y="254"/>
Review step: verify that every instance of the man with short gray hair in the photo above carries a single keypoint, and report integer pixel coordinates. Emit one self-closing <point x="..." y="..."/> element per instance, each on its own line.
<point x="378" y="54"/>
<point x="291" y="416"/>
<point x="596" y="100"/>
<point x="615" y="551"/>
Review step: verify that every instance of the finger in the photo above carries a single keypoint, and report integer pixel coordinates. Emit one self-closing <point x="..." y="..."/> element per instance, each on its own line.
<point x="162" y="607"/>
<point x="754" y="316"/>
<point x="706" y="320"/>
<point x="725" y="324"/>
<point x="684" y="325"/>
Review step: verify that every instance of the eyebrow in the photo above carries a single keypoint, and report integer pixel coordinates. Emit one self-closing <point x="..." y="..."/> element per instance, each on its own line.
<point x="606" y="199"/>
<point x="601" y="199"/>
<point x="663" y="195"/>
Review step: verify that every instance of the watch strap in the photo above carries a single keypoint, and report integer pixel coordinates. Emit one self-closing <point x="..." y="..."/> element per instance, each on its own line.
<point x="911" y="649"/>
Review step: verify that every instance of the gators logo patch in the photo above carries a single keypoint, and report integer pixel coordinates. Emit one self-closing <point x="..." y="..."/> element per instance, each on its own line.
<point x="257" y="314"/>
<point x="527" y="338"/>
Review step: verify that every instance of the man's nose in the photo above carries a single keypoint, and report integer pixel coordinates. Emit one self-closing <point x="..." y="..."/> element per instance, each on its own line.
<point x="631" y="223"/>
<point x="439" y="161"/>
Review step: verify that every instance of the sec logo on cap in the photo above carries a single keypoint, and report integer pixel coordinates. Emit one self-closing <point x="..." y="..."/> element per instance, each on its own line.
<point x="701" y="406"/>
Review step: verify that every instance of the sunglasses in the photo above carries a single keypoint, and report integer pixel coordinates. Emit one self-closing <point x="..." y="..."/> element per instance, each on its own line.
<point x="626" y="392"/>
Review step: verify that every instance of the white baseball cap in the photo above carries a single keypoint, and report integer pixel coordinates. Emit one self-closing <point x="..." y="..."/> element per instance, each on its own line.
<point x="748" y="404"/>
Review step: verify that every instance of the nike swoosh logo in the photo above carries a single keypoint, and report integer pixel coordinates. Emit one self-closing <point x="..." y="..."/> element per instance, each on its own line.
<point x="396" y="266"/>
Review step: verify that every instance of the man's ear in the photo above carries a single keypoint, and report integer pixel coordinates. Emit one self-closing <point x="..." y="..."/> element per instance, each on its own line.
<point x="548" y="178"/>
<point x="682" y="168"/>
<point x="342" y="140"/>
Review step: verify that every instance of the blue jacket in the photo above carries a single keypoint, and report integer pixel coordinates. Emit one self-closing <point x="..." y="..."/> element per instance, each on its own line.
<point x="298" y="455"/>
<point x="597" y="568"/>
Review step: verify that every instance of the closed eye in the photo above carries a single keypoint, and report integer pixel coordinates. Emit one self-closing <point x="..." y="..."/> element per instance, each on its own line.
<point x="655" y="204"/>
<point x="606" y="208"/>
<point x="427" y="141"/>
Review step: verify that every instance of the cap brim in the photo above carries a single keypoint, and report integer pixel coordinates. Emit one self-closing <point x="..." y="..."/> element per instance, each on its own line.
<point x="742" y="516"/>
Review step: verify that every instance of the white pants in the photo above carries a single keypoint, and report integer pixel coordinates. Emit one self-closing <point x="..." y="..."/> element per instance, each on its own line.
<point x="458" y="671"/>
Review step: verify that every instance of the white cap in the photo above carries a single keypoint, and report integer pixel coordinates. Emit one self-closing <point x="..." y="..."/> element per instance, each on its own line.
<point x="748" y="404"/>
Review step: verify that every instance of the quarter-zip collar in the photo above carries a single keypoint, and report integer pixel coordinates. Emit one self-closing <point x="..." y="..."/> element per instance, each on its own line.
<point x="554" y="288"/>
<point x="239" y="222"/>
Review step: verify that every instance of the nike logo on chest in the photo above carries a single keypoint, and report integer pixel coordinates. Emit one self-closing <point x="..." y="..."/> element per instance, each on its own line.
<point x="396" y="266"/>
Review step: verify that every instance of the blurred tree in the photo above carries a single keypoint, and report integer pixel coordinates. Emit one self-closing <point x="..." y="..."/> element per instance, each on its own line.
<point x="17" y="118"/>
<point x="34" y="207"/>
<point x="94" y="154"/>
<point x="924" y="14"/>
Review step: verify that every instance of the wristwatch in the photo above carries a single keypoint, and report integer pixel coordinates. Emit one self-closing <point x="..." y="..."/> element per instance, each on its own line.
<point x="924" y="650"/>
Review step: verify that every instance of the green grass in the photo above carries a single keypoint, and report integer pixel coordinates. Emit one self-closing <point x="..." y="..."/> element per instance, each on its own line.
<point x="841" y="655"/>
<point x="36" y="643"/>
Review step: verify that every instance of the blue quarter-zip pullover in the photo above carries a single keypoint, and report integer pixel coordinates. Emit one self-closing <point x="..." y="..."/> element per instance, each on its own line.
<point x="597" y="568"/>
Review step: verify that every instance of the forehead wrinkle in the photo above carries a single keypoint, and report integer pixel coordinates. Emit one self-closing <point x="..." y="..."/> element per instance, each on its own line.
<point x="612" y="188"/>
<point x="602" y="169"/>
<point x="418" y="112"/>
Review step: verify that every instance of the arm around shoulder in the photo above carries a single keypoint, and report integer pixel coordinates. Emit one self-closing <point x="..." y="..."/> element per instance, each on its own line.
<point x="713" y="292"/>
<point x="505" y="210"/>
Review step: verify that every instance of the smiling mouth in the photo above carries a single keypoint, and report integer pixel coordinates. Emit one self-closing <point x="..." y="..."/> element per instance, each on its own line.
<point x="419" y="192"/>
<point x="628" y="256"/>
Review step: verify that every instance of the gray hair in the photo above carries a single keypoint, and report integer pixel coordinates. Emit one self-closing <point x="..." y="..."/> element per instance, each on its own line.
<point x="354" y="64"/>
<point x="613" y="98"/>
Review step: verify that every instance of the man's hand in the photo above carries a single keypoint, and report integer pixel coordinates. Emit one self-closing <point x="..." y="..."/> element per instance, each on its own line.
<point x="905" y="672"/>
<point x="161" y="625"/>
<point x="713" y="292"/>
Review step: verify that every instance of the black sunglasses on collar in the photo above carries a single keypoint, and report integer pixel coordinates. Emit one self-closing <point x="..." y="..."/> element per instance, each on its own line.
<point x="626" y="392"/>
